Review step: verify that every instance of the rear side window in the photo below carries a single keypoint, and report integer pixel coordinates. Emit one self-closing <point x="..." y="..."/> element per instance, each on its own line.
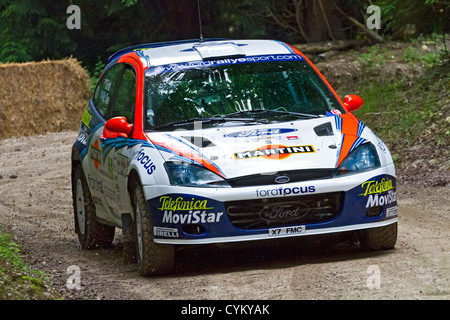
<point x="104" y="93"/>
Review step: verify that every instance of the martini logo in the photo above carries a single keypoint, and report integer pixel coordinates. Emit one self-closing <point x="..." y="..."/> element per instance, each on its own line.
<point x="274" y="152"/>
<point x="96" y="154"/>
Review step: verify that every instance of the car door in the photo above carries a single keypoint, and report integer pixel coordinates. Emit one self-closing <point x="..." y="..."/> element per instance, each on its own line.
<point x="116" y="153"/>
<point x="95" y="166"/>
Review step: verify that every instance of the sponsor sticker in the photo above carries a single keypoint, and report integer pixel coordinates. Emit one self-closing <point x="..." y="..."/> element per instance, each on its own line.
<point x="276" y="152"/>
<point x="165" y="232"/>
<point x="96" y="154"/>
<point x="391" y="212"/>
<point x="379" y="192"/>
<point x="146" y="161"/>
<point x="373" y="186"/>
<point x="180" y="210"/>
<point x="86" y="119"/>
<point x="180" y="204"/>
<point x="227" y="61"/>
<point x="259" y="132"/>
<point x="284" y="191"/>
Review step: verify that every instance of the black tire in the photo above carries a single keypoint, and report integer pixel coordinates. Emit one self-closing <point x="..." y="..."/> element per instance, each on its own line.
<point x="91" y="233"/>
<point x="381" y="238"/>
<point x="152" y="258"/>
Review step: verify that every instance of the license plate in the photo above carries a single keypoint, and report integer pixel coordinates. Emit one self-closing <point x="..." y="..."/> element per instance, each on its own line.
<point x="286" y="231"/>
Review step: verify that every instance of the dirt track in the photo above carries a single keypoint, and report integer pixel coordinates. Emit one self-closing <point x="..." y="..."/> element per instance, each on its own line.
<point x="36" y="207"/>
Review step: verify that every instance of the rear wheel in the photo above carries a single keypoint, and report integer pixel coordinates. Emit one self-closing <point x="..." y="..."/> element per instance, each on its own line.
<point x="152" y="258"/>
<point x="91" y="233"/>
<point x="381" y="238"/>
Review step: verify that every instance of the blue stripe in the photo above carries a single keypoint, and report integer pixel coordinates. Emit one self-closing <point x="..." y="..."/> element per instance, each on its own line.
<point x="357" y="144"/>
<point x="361" y="127"/>
<point x="285" y="45"/>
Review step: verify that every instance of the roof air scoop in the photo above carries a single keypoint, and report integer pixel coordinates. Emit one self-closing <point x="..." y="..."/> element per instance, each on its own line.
<point x="215" y="51"/>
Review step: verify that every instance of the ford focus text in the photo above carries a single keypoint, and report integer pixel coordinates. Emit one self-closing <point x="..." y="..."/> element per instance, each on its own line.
<point x="225" y="141"/>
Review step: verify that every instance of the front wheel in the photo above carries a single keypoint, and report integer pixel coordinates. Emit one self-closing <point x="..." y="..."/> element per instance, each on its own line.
<point x="381" y="238"/>
<point x="152" y="258"/>
<point x="91" y="233"/>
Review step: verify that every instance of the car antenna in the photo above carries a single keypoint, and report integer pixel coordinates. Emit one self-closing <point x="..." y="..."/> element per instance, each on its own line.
<point x="200" y="21"/>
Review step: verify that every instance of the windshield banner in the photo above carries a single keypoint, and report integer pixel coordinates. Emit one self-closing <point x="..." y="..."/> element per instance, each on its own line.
<point x="220" y="62"/>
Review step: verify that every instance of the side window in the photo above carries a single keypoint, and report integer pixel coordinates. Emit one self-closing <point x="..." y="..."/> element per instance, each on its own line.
<point x="126" y="96"/>
<point x="104" y="93"/>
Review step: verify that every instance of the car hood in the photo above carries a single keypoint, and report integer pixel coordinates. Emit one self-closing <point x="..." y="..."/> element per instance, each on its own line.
<point x="235" y="151"/>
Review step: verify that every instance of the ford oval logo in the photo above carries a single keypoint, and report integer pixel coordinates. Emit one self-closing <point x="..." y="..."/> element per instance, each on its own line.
<point x="282" y="179"/>
<point x="284" y="212"/>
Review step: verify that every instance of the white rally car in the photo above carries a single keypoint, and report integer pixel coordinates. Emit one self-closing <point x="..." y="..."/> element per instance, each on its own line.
<point x="221" y="141"/>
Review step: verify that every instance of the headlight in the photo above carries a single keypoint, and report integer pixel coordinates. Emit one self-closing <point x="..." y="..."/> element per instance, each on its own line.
<point x="363" y="158"/>
<point x="192" y="175"/>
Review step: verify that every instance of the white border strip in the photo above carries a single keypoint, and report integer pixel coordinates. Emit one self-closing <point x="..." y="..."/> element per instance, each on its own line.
<point x="265" y="236"/>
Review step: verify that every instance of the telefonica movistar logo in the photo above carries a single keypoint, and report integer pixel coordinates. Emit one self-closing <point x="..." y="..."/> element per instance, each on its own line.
<point x="372" y="187"/>
<point x="168" y="203"/>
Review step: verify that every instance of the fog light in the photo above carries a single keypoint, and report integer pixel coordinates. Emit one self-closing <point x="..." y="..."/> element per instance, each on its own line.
<point x="375" y="211"/>
<point x="193" y="229"/>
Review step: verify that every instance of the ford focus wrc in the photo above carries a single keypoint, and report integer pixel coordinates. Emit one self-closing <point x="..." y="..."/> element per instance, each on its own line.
<point x="217" y="141"/>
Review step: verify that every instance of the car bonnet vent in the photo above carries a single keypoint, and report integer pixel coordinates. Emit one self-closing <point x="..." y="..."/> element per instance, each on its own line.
<point x="324" y="130"/>
<point x="214" y="51"/>
<point x="200" y="142"/>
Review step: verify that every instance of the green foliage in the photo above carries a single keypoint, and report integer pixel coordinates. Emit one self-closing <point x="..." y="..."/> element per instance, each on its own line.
<point x="404" y="114"/>
<point x="427" y="16"/>
<point x="9" y="252"/>
<point x="375" y="56"/>
<point x="17" y="280"/>
<point x="36" y="29"/>
<point x="95" y="75"/>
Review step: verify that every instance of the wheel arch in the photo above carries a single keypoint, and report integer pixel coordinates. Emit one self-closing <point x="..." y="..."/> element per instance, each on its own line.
<point x="76" y="161"/>
<point x="134" y="180"/>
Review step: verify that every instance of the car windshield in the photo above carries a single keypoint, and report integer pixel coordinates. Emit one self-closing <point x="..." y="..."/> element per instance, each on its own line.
<point x="235" y="94"/>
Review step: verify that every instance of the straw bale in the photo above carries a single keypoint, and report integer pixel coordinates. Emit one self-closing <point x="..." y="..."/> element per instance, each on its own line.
<point x="41" y="97"/>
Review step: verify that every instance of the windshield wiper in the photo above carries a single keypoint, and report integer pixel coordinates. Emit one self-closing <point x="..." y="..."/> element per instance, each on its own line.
<point x="201" y="120"/>
<point x="278" y="112"/>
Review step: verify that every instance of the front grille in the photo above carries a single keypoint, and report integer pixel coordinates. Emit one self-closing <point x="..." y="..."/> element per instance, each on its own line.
<point x="267" y="179"/>
<point x="287" y="211"/>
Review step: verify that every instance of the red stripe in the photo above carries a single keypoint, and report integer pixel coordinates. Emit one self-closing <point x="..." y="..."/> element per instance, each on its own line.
<point x="350" y="131"/>
<point x="182" y="150"/>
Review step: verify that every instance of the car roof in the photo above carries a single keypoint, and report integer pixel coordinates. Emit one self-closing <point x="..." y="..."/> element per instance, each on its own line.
<point x="162" y="53"/>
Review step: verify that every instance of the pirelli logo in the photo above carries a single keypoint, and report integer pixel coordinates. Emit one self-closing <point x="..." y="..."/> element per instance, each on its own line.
<point x="275" y="152"/>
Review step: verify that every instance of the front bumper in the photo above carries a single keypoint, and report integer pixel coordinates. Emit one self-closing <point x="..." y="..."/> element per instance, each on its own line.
<point x="186" y="215"/>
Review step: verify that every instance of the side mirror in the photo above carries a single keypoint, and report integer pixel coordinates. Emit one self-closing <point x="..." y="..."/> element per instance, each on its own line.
<point x="117" y="127"/>
<point x="353" y="102"/>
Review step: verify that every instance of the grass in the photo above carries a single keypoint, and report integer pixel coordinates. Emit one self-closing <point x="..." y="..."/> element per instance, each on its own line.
<point x="404" y="111"/>
<point x="413" y="119"/>
<point x="17" y="280"/>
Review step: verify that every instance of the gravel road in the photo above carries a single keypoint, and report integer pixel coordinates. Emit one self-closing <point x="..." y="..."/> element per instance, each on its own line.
<point x="36" y="208"/>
